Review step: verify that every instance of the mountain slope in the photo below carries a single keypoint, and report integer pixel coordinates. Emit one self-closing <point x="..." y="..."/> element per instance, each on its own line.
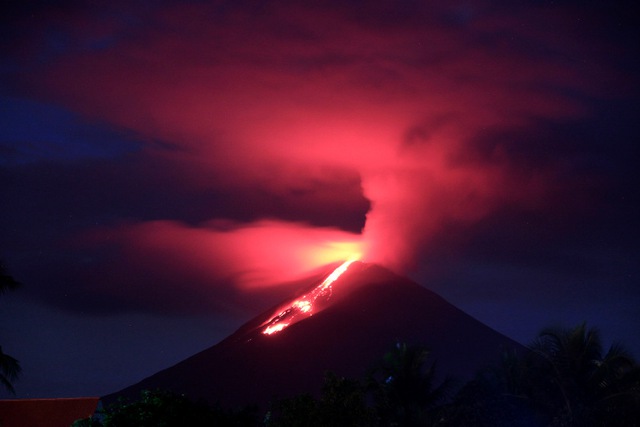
<point x="368" y="310"/>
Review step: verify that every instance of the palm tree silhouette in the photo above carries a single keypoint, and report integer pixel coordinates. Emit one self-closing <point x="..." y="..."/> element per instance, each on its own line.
<point x="7" y="283"/>
<point x="405" y="387"/>
<point x="571" y="379"/>
<point x="9" y="367"/>
<point x="9" y="371"/>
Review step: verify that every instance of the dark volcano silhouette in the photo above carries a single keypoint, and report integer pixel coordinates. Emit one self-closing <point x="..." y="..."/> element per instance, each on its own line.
<point x="369" y="310"/>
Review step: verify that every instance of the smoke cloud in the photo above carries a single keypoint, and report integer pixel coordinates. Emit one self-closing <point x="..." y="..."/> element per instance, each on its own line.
<point x="323" y="106"/>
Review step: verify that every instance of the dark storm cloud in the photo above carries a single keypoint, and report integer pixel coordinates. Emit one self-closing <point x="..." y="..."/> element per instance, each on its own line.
<point x="54" y="203"/>
<point x="145" y="187"/>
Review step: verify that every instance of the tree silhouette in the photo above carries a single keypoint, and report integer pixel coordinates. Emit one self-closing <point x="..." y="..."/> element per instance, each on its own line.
<point x="342" y="402"/>
<point x="564" y="380"/>
<point x="9" y="371"/>
<point x="7" y="283"/>
<point x="404" y="387"/>
<point x="9" y="367"/>
<point x="162" y="408"/>
<point x="575" y="384"/>
<point x="496" y="397"/>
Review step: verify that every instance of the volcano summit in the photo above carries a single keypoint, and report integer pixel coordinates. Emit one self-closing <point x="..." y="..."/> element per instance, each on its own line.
<point x="354" y="322"/>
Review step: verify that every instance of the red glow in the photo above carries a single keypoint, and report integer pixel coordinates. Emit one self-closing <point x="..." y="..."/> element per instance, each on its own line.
<point x="303" y="307"/>
<point x="219" y="259"/>
<point x="409" y="124"/>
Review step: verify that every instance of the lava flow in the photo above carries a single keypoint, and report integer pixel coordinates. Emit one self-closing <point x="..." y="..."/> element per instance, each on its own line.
<point x="304" y="306"/>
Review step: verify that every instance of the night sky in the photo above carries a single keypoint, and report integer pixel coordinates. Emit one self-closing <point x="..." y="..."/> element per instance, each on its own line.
<point x="168" y="169"/>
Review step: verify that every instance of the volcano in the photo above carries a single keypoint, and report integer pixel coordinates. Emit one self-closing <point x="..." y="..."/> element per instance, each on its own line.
<point x="355" y="322"/>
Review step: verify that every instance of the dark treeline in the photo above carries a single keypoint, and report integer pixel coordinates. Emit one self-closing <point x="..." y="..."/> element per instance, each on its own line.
<point x="565" y="379"/>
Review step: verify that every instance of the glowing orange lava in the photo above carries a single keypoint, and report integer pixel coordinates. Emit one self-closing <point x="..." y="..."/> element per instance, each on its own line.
<point x="303" y="307"/>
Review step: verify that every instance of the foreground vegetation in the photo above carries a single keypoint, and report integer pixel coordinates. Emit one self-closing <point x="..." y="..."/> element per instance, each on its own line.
<point x="9" y="366"/>
<point x="566" y="379"/>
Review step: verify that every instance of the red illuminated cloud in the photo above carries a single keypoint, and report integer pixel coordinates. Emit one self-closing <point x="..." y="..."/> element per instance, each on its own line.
<point x="266" y="97"/>
<point x="168" y="266"/>
<point x="252" y="255"/>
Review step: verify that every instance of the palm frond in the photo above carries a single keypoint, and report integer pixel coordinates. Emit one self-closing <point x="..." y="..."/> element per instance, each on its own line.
<point x="7" y="282"/>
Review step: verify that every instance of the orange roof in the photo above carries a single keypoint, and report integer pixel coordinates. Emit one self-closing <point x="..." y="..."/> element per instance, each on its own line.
<point x="45" y="412"/>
